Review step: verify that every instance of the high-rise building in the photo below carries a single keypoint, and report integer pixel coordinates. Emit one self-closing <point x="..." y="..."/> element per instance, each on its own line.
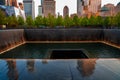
<point x="12" y="3"/>
<point x="88" y="7"/>
<point x="41" y="2"/>
<point x="65" y="11"/>
<point x="2" y="2"/>
<point x="82" y="6"/>
<point x="29" y="8"/>
<point x="117" y="8"/>
<point x="40" y="10"/>
<point x="79" y="7"/>
<point x="94" y="6"/>
<point x="49" y="7"/>
<point x="21" y="6"/>
<point x="108" y="10"/>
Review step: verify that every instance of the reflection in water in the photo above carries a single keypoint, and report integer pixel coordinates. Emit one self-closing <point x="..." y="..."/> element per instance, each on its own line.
<point x="44" y="61"/>
<point x="86" y="69"/>
<point x="12" y="72"/>
<point x="86" y="66"/>
<point x="30" y="65"/>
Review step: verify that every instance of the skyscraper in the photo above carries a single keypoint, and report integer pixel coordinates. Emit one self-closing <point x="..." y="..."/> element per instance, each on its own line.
<point x="88" y="7"/>
<point x="117" y="8"/>
<point x="49" y="7"/>
<point x="2" y="2"/>
<point x="29" y="7"/>
<point x="66" y="11"/>
<point x="12" y="3"/>
<point x="94" y="6"/>
<point x="79" y="7"/>
<point x="40" y="10"/>
<point x="21" y="6"/>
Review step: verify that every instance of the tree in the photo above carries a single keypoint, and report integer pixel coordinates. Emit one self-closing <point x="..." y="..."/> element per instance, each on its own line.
<point x="2" y="18"/>
<point x="106" y="22"/>
<point x="38" y="21"/>
<point x="112" y="21"/>
<point x="20" y="20"/>
<point x="51" y="20"/>
<point x="84" y="21"/>
<point x="91" y="21"/>
<point x="117" y="19"/>
<point x="59" y="21"/>
<point x="29" y="21"/>
<point x="75" y="21"/>
<point x="45" y="21"/>
<point x="67" y="21"/>
<point x="12" y="21"/>
<point x="99" y="21"/>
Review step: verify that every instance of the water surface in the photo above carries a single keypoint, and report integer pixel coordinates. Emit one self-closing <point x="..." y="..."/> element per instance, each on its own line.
<point x="42" y="50"/>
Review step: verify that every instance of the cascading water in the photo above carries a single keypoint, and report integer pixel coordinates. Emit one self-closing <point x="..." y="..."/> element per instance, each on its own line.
<point x="11" y="38"/>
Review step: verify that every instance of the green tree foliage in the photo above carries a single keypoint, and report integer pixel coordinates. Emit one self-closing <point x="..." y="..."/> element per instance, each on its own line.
<point x="59" y="21"/>
<point x="117" y="20"/>
<point x="51" y="20"/>
<point x="45" y="21"/>
<point x="106" y="21"/>
<point x="91" y="21"/>
<point x="99" y="21"/>
<point x="75" y="21"/>
<point x="38" y="21"/>
<point x="2" y="18"/>
<point x="12" y="21"/>
<point x="20" y="20"/>
<point x="84" y="21"/>
<point x="29" y="21"/>
<point x="112" y="21"/>
<point x="67" y="21"/>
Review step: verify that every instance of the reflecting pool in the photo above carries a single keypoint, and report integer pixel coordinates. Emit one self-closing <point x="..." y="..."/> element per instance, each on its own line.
<point x="79" y="69"/>
<point x="43" y="50"/>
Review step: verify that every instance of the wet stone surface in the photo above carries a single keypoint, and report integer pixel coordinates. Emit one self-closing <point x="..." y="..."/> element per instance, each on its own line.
<point x="80" y="69"/>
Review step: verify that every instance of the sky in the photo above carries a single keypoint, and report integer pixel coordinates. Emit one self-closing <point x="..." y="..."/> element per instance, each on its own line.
<point x="72" y="5"/>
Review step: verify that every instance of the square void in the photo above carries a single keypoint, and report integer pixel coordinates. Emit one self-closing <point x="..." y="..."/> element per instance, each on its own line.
<point x="67" y="54"/>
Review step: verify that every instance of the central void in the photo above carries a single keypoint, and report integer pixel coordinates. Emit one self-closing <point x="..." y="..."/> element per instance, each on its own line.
<point x="62" y="51"/>
<point x="67" y="54"/>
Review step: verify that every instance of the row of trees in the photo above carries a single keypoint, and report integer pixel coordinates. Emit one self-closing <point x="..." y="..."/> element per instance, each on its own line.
<point x="67" y="21"/>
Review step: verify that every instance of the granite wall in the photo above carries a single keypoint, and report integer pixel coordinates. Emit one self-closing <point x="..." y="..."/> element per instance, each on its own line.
<point x="11" y="38"/>
<point x="63" y="34"/>
<point x="112" y="36"/>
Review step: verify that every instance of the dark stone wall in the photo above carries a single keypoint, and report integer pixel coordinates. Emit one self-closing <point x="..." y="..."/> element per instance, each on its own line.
<point x="10" y="38"/>
<point x="112" y="36"/>
<point x="63" y="34"/>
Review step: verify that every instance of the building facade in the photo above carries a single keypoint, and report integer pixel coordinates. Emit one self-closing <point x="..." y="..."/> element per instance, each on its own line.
<point x="88" y="7"/>
<point x="29" y="8"/>
<point x="12" y="3"/>
<point x="94" y="6"/>
<point x="40" y="10"/>
<point x="117" y="8"/>
<point x="65" y="11"/>
<point x="2" y="2"/>
<point x="49" y="7"/>
<point x="108" y="10"/>
<point x="21" y="6"/>
<point x="80" y="7"/>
